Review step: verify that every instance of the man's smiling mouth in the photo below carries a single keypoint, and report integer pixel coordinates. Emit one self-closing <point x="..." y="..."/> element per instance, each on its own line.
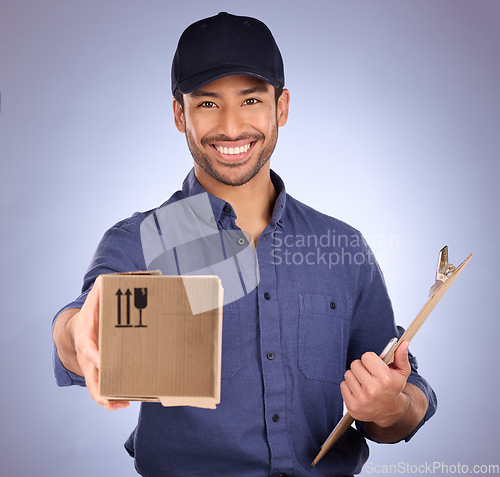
<point x="233" y="150"/>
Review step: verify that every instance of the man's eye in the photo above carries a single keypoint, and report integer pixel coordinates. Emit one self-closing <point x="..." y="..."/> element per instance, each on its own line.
<point x="207" y="104"/>
<point x="252" y="101"/>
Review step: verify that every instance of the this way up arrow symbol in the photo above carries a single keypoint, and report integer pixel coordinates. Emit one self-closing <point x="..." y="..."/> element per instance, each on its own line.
<point x="128" y="293"/>
<point x="119" y="306"/>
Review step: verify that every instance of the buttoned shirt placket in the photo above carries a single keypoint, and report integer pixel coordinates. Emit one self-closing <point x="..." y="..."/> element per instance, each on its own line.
<point x="273" y="372"/>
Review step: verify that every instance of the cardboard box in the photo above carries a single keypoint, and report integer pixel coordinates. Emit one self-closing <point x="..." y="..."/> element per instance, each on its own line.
<point x="160" y="338"/>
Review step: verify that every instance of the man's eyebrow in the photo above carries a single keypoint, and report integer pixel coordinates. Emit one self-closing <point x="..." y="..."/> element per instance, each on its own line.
<point x="255" y="89"/>
<point x="198" y="93"/>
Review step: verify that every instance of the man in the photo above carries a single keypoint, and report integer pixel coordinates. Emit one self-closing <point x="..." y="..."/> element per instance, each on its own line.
<point x="320" y="306"/>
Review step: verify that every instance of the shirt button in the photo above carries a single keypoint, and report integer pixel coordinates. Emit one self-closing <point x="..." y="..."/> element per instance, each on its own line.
<point x="227" y="209"/>
<point x="333" y="305"/>
<point x="241" y="241"/>
<point x="276" y="417"/>
<point x="270" y="356"/>
<point x="267" y="296"/>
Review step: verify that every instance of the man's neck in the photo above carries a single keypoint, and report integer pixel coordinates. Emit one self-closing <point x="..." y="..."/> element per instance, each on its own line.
<point x="252" y="202"/>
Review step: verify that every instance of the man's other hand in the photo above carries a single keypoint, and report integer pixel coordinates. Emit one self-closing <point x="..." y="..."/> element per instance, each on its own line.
<point x="373" y="391"/>
<point x="76" y="337"/>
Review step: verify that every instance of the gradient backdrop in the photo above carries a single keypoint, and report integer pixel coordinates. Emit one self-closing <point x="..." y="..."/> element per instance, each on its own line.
<point x="394" y="128"/>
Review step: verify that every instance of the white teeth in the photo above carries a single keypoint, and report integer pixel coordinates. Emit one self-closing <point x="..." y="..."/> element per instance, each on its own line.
<point x="233" y="150"/>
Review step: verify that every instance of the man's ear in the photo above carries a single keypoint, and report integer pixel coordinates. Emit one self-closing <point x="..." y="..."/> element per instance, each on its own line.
<point x="180" y="122"/>
<point x="282" y="107"/>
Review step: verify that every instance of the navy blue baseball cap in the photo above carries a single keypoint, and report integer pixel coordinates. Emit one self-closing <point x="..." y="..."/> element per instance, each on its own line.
<point x="225" y="45"/>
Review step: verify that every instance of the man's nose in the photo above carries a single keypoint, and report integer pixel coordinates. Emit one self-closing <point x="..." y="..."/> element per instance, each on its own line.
<point x="231" y="123"/>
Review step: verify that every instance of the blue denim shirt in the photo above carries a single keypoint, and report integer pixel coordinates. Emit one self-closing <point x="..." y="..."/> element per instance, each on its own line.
<point x="321" y="303"/>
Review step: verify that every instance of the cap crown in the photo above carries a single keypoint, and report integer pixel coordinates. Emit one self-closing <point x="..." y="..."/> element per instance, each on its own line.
<point x="223" y="45"/>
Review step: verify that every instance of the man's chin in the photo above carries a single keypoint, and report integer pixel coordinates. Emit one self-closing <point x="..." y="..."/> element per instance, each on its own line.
<point x="240" y="180"/>
<point x="232" y="180"/>
<point x="232" y="174"/>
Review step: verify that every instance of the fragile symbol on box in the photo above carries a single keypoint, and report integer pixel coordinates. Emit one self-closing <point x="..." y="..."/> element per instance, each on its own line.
<point x="140" y="302"/>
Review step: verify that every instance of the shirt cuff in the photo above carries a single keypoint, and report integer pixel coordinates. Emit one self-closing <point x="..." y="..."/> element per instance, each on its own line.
<point x="65" y="377"/>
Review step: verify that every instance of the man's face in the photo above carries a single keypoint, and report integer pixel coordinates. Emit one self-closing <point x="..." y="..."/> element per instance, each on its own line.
<point x="231" y="126"/>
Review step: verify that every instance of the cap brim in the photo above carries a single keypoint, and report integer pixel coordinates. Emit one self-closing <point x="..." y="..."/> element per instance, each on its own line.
<point x="197" y="81"/>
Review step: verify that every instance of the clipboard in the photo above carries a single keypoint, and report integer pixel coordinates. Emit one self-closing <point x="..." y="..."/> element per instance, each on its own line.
<point x="445" y="276"/>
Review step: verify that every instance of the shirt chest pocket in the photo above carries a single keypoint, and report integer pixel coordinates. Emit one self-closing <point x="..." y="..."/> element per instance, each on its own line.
<point x="323" y="336"/>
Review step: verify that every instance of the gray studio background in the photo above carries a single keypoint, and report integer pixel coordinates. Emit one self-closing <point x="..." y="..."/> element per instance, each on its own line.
<point x="394" y="128"/>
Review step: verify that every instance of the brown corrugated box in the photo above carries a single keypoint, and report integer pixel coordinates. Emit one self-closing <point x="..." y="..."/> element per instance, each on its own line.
<point x="160" y="339"/>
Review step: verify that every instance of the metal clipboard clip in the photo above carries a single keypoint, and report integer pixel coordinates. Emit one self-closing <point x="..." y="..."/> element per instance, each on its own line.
<point x="443" y="270"/>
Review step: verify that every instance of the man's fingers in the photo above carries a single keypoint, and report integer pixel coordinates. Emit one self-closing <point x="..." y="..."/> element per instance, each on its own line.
<point x="92" y="382"/>
<point x="359" y="371"/>
<point x="352" y="382"/>
<point x="86" y="344"/>
<point x="372" y="362"/>
<point x="96" y="291"/>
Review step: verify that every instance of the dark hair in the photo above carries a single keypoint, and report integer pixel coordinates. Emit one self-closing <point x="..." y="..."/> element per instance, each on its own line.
<point x="180" y="99"/>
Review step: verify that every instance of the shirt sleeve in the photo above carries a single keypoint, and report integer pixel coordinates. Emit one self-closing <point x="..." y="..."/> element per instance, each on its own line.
<point x="373" y="325"/>
<point x="119" y="250"/>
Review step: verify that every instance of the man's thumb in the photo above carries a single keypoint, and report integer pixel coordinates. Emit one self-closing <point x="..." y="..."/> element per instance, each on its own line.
<point x="401" y="358"/>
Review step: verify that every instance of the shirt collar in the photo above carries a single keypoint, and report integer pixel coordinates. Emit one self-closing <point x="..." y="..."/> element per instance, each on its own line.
<point x="191" y="187"/>
<point x="279" y="205"/>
